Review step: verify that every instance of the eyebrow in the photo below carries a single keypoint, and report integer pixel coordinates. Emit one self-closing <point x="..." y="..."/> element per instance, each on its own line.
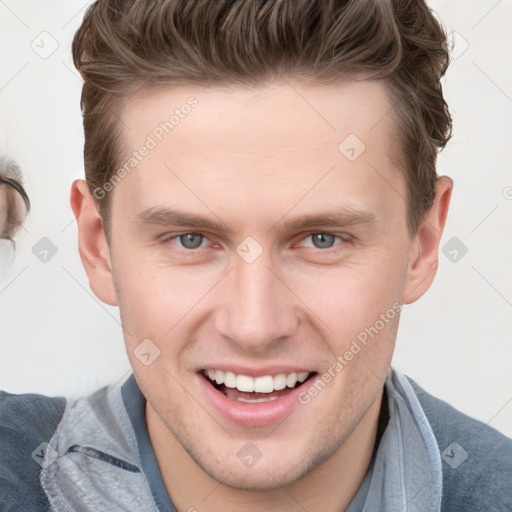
<point x="338" y="218"/>
<point x="160" y="216"/>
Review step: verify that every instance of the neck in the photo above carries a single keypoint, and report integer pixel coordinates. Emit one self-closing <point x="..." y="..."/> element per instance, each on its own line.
<point x="329" y="487"/>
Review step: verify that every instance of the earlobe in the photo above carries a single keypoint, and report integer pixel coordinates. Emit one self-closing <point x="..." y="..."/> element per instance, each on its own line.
<point x="424" y="256"/>
<point x="92" y="243"/>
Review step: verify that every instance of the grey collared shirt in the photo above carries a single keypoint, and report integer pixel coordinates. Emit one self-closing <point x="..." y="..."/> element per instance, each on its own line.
<point x="405" y="472"/>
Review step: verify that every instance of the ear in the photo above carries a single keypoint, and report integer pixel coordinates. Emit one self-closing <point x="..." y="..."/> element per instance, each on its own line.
<point x="92" y="243"/>
<point x="424" y="255"/>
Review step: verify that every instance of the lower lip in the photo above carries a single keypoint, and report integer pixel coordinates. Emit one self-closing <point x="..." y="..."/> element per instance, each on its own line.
<point x="252" y="415"/>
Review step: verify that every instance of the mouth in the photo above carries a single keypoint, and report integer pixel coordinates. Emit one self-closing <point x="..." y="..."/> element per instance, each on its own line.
<point x="255" y="390"/>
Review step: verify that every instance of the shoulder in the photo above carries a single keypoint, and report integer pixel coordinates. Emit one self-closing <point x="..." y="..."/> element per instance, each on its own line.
<point x="26" y="421"/>
<point x="476" y="459"/>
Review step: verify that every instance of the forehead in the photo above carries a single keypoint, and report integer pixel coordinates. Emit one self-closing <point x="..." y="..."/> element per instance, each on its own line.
<point x="286" y="108"/>
<point x="271" y="141"/>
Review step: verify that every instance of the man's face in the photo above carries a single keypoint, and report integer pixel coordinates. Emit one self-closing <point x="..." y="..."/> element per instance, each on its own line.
<point x="260" y="295"/>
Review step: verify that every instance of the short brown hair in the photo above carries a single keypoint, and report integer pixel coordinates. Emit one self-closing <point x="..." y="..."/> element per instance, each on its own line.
<point x="125" y="45"/>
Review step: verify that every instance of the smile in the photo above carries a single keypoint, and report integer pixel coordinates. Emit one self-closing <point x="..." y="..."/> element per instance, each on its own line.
<point x="263" y="384"/>
<point x="255" y="390"/>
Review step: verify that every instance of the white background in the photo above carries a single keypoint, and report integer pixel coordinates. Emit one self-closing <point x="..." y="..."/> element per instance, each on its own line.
<point x="456" y="341"/>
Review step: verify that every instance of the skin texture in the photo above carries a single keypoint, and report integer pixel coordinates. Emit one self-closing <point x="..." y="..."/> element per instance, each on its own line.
<point x="252" y="158"/>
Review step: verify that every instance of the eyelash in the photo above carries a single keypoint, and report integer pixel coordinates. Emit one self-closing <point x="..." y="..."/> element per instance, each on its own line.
<point x="342" y="239"/>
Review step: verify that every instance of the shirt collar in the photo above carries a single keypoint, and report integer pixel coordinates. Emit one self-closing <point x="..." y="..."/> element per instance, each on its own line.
<point x="135" y="404"/>
<point x="405" y="471"/>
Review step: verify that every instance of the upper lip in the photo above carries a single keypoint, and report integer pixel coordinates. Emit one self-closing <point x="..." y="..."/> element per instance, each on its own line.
<point x="256" y="372"/>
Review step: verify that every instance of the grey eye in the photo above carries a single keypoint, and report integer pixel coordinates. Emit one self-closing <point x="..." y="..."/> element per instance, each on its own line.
<point x="191" y="240"/>
<point x="322" y="240"/>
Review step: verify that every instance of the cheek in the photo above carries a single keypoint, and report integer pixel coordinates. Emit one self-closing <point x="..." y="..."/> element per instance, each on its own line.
<point x="348" y="299"/>
<point x="141" y="299"/>
<point x="155" y="300"/>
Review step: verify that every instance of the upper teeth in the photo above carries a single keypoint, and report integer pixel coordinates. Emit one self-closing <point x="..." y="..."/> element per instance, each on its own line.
<point x="263" y="384"/>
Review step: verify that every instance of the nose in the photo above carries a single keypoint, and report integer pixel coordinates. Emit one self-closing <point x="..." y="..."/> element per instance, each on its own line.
<point x="257" y="308"/>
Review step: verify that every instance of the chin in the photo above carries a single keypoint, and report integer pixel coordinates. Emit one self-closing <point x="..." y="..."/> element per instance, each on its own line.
<point x="257" y="478"/>
<point x="275" y="469"/>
